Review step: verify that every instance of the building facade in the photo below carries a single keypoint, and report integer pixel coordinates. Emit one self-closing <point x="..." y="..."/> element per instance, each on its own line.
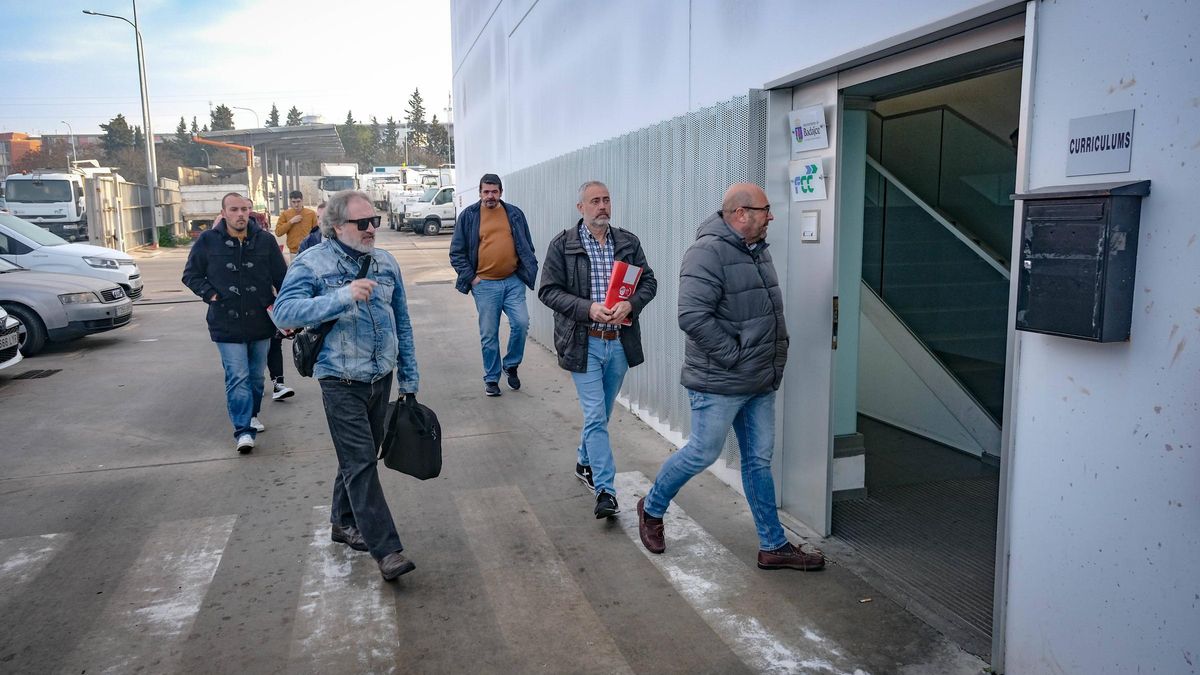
<point x="923" y="161"/>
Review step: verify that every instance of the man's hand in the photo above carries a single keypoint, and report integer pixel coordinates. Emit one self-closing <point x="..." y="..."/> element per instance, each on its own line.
<point x="600" y="314"/>
<point x="214" y="298"/>
<point x="295" y="219"/>
<point x="621" y="311"/>
<point x="360" y="289"/>
<point x="475" y="281"/>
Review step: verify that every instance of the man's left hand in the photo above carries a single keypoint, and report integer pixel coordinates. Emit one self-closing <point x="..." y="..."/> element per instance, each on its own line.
<point x="621" y="311"/>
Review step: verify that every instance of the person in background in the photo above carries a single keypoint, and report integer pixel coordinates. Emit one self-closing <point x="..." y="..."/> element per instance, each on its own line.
<point x="314" y="237"/>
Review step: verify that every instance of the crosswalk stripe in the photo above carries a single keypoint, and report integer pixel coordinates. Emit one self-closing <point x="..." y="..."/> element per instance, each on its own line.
<point x="722" y="590"/>
<point x="346" y="619"/>
<point x="21" y="558"/>
<point x="151" y="612"/>
<point x="539" y="607"/>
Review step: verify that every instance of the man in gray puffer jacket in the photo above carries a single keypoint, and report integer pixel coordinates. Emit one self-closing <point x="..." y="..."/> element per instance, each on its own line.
<point x="731" y="309"/>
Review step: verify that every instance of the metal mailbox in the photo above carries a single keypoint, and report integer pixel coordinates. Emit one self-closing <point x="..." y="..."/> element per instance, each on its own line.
<point x="1078" y="260"/>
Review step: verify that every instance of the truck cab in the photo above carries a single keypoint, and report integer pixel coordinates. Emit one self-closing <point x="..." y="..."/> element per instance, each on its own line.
<point x="434" y="213"/>
<point x="52" y="200"/>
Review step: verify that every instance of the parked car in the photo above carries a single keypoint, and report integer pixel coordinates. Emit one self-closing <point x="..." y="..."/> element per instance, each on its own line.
<point x="27" y="245"/>
<point x="10" y="340"/>
<point x="58" y="307"/>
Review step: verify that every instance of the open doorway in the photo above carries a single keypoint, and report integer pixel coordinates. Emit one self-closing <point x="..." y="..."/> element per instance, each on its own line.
<point x="928" y="162"/>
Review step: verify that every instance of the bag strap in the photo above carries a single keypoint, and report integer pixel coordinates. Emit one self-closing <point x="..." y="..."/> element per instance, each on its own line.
<point x="364" y="266"/>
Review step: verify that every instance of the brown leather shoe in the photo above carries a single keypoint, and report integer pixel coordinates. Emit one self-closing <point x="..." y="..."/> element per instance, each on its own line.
<point x="650" y="530"/>
<point x="791" y="558"/>
<point x="394" y="564"/>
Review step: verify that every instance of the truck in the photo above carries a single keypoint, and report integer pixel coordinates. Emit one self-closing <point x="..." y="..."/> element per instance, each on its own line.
<point x="201" y="192"/>
<point x="336" y="177"/>
<point x="434" y="213"/>
<point x="51" y="199"/>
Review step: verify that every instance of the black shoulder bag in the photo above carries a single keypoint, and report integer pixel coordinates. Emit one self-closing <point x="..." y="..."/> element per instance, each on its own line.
<point x="413" y="441"/>
<point x="306" y="346"/>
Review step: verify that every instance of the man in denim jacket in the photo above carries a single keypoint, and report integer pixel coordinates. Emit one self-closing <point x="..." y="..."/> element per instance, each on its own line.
<point x="372" y="337"/>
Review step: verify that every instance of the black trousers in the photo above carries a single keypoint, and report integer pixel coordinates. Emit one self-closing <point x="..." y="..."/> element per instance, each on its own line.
<point x="275" y="358"/>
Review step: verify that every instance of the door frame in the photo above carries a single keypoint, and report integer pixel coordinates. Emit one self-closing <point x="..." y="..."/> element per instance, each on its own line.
<point x="805" y="452"/>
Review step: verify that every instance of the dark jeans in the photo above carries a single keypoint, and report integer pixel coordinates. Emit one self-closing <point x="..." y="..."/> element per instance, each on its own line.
<point x="275" y="358"/>
<point x="355" y="412"/>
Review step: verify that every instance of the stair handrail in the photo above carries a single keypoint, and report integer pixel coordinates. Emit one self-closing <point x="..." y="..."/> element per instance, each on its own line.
<point x="951" y="227"/>
<point x="1000" y="142"/>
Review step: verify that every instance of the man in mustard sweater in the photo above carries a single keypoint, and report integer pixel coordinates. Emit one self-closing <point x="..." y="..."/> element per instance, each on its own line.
<point x="492" y="253"/>
<point x="295" y="222"/>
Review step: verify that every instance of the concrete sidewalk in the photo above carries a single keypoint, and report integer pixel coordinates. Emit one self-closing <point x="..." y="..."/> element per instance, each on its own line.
<point x="514" y="573"/>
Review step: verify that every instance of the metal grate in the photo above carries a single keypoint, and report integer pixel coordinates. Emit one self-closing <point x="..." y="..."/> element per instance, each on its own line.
<point x="664" y="179"/>
<point x="36" y="374"/>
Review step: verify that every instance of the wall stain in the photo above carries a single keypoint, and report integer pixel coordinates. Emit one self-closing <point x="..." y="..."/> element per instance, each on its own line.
<point x="1158" y="410"/>
<point x="1149" y="306"/>
<point x="1174" y="330"/>
<point x="1178" y="351"/>
<point x="1170" y="448"/>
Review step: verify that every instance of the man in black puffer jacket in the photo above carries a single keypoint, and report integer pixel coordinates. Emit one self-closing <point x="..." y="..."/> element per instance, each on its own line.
<point x="236" y="268"/>
<point x="731" y="309"/>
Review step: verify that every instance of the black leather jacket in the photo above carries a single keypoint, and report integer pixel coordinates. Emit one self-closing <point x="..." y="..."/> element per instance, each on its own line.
<point x="567" y="289"/>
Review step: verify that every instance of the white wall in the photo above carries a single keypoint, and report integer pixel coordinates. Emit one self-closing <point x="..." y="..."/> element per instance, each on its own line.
<point x="535" y="80"/>
<point x="1105" y="512"/>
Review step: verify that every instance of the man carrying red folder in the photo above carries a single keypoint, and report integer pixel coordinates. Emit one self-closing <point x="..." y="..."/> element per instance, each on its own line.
<point x="596" y="280"/>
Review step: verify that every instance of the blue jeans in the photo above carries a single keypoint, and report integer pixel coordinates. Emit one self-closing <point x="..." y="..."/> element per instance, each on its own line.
<point x="491" y="297"/>
<point x="753" y="420"/>
<point x="355" y="412"/>
<point x="243" y="363"/>
<point x="597" y="389"/>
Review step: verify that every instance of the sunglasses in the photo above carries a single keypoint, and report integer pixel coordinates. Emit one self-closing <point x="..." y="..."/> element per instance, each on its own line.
<point x="364" y="223"/>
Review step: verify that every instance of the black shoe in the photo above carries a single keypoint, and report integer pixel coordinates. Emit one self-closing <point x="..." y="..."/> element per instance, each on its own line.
<point x="491" y="388"/>
<point x="606" y="505"/>
<point x="395" y="564"/>
<point x="514" y="382"/>
<point x="349" y="536"/>
<point x="584" y="474"/>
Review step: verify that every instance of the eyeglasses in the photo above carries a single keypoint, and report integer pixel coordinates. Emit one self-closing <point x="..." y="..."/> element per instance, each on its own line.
<point x="364" y="223"/>
<point x="766" y="208"/>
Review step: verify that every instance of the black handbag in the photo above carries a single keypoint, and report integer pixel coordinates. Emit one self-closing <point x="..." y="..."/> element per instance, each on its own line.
<point x="306" y="346"/>
<point x="413" y="441"/>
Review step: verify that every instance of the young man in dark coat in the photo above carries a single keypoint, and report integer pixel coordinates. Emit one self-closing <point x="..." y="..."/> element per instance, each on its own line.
<point x="236" y="268"/>
<point x="590" y="338"/>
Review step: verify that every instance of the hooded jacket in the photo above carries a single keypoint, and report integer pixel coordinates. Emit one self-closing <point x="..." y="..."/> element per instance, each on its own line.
<point x="731" y="309"/>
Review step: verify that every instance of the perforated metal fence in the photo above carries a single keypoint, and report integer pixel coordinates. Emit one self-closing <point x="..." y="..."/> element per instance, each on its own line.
<point x="664" y="180"/>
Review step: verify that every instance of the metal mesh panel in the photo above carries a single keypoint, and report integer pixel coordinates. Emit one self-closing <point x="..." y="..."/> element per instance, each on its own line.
<point x="664" y="179"/>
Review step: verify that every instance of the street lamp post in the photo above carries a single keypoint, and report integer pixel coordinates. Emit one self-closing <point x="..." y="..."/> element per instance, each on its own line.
<point x="257" y="124"/>
<point x="74" y="157"/>
<point x="151" y="158"/>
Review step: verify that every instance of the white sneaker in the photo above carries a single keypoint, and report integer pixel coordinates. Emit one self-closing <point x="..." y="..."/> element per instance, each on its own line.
<point x="282" y="391"/>
<point x="256" y="425"/>
<point x="245" y="443"/>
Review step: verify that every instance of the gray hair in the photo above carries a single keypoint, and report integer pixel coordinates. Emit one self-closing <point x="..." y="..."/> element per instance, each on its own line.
<point x="337" y="210"/>
<point x="584" y="188"/>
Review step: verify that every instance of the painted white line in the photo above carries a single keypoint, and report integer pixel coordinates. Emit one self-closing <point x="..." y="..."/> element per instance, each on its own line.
<point x="146" y="620"/>
<point x="539" y="608"/>
<point x="346" y="618"/>
<point x="22" y="558"/>
<point x="723" y="591"/>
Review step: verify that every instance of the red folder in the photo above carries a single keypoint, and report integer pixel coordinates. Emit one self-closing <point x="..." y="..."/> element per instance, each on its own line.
<point x="621" y="282"/>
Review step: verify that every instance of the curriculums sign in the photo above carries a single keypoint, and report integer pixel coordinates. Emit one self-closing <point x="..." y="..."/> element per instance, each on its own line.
<point x="808" y="129"/>
<point x="1100" y="144"/>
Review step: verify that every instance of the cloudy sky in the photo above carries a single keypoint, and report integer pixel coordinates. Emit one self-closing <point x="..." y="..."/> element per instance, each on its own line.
<point x="323" y="57"/>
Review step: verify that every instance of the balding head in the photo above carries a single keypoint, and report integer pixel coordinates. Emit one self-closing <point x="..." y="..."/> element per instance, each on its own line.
<point x="746" y="209"/>
<point x="741" y="194"/>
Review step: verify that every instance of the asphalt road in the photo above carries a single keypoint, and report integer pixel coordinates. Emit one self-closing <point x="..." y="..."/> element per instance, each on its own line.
<point x="135" y="539"/>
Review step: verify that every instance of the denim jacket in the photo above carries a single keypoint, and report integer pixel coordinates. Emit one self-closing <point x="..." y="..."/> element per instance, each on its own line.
<point x="371" y="337"/>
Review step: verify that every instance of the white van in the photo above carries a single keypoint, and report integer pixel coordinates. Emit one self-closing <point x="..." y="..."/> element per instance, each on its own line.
<point x="435" y="215"/>
<point x="32" y="247"/>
